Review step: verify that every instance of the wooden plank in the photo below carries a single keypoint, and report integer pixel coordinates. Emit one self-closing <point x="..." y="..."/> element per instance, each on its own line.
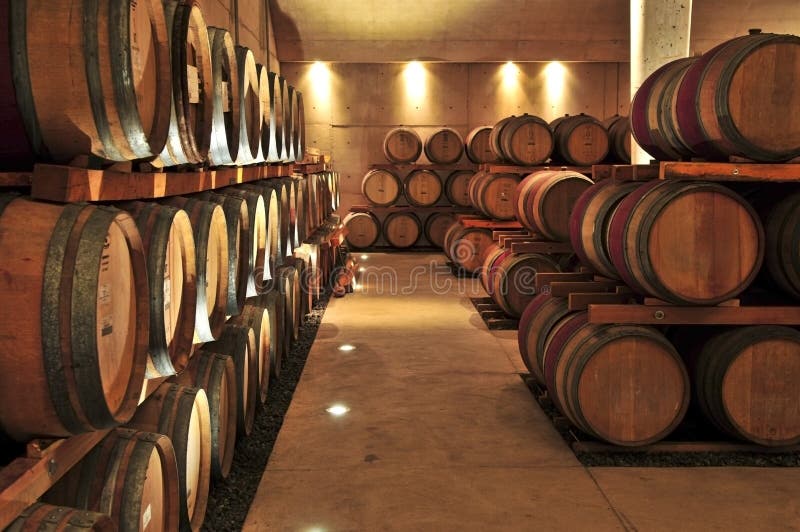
<point x="541" y="247"/>
<point x="490" y="224"/>
<point x="634" y="172"/>
<point x="546" y="279"/>
<point x="655" y="302"/>
<point x="308" y="168"/>
<point x="498" y="235"/>
<point x="507" y="241"/>
<point x="671" y="315"/>
<point x="15" y="179"/>
<point x="581" y="301"/>
<point x="454" y="209"/>
<point x="24" y="480"/>
<point x="412" y="167"/>
<point x="730" y="171"/>
<point x="513" y="169"/>
<point x="680" y="447"/>
<point x="601" y="171"/>
<point x="564" y="289"/>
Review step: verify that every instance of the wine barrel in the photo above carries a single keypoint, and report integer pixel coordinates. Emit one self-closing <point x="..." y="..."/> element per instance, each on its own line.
<point x="490" y="256"/>
<point x="456" y="187"/>
<point x="294" y="110"/>
<point x="544" y="200"/>
<point x="237" y="220"/>
<point x="303" y="230"/>
<point x="363" y="229"/>
<point x="181" y="413"/>
<point x="619" y="136"/>
<point x="283" y="87"/>
<point x="46" y="517"/>
<point x="191" y="117"/>
<point x="74" y="320"/>
<point x="263" y="102"/>
<point x="782" y="228"/>
<point x="302" y="264"/>
<point x="215" y="374"/>
<point x="210" y="232"/>
<point x="436" y="227"/>
<point x="513" y="281"/>
<point x="168" y="243"/>
<point x="494" y="137"/>
<point x="251" y="110"/>
<point x="276" y="204"/>
<point x="381" y="188"/>
<point x="733" y="100"/>
<point x="289" y="124"/>
<point x="224" y="147"/>
<point x="423" y="188"/>
<point x="256" y="237"/>
<point x="444" y="146"/>
<point x="131" y="476"/>
<point x="465" y="246"/>
<point x="239" y="343"/>
<point x="536" y="322"/>
<point x="493" y="194"/>
<point x="747" y="383"/>
<point x="624" y="384"/>
<point x="526" y="140"/>
<point x="289" y="288"/>
<point x="580" y="140"/>
<point x="402" y="229"/>
<point x="300" y="126"/>
<point x="690" y="243"/>
<point x="291" y="187"/>
<point x="590" y="220"/>
<point x="118" y="54"/>
<point x="477" y="146"/>
<point x="258" y="319"/>
<point x="273" y="304"/>
<point x="654" y="115"/>
<point x="402" y="145"/>
<point x="273" y="120"/>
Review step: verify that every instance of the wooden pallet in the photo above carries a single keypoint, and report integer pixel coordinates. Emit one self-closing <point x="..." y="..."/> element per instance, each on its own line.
<point x="74" y="184"/>
<point x="493" y="316"/>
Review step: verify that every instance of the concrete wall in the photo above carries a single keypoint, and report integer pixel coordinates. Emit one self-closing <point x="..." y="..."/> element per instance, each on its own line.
<point x="349" y="110"/>
<point x="250" y="21"/>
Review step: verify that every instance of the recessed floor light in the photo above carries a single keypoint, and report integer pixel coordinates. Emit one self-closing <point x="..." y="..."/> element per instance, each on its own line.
<point x="347" y="347"/>
<point x="337" y="410"/>
<point x="364" y="257"/>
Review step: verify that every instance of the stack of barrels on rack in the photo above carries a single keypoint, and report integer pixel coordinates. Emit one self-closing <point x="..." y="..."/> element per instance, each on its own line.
<point x="166" y="318"/>
<point x="686" y="243"/>
<point x="138" y="81"/>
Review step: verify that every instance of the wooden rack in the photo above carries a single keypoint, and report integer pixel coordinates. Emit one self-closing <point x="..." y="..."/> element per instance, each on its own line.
<point x="501" y="168"/>
<point x="704" y="171"/>
<point x="410" y="167"/>
<point x="455" y="209"/>
<point x="74" y="184"/>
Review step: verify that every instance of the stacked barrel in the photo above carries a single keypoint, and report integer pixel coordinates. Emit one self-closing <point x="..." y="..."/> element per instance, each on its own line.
<point x="162" y="321"/>
<point x="151" y="84"/>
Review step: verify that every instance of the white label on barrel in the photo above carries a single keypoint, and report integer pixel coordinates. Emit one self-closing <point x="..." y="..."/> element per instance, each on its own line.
<point x="147" y="516"/>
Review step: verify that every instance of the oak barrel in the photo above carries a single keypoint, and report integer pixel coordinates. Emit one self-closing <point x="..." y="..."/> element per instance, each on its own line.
<point x="436" y="227"/>
<point x="273" y="303"/>
<point x="444" y="146"/>
<point x="113" y="101"/>
<point x="493" y="194"/>
<point x="273" y="239"/>
<point x="289" y="287"/>
<point x="263" y="102"/>
<point x="289" y="125"/>
<point x="168" y="242"/>
<point x="300" y="126"/>
<point x="782" y="228"/>
<point x="210" y="232"/>
<point x="580" y="140"/>
<point x="590" y="220"/>
<point x="381" y="188"/>
<point x="690" y="243"/>
<point x="256" y="238"/>
<point x="624" y="384"/>
<point x="48" y="518"/>
<point x="363" y="229"/>
<point x="526" y="140"/>
<point x="258" y="319"/>
<point x="619" y="136"/>
<point x="402" y="145"/>
<point x="239" y="343"/>
<point x="191" y="117"/>
<point x="423" y="188"/>
<point x="402" y="229"/>
<point x="224" y="148"/>
<point x="251" y="112"/>
<point x="456" y="187"/>
<point x="273" y="121"/>
<point x="494" y="137"/>
<point x="747" y="383"/>
<point x="131" y="476"/>
<point x="513" y="281"/>
<point x="181" y="413"/>
<point x="216" y="375"/>
<point x="733" y="100"/>
<point x="478" y="147"/>
<point x="75" y="318"/>
<point x="536" y="322"/>
<point x="237" y="219"/>
<point x="465" y="246"/>
<point x="283" y="87"/>
<point x="544" y="200"/>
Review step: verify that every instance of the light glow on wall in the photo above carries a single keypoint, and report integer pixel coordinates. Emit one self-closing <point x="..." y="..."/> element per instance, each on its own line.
<point x="510" y="74"/>
<point x="555" y="81"/>
<point x="415" y="77"/>
<point x="320" y="81"/>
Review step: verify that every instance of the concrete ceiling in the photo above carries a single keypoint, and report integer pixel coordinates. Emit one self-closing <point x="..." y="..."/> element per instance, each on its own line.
<point x="378" y="31"/>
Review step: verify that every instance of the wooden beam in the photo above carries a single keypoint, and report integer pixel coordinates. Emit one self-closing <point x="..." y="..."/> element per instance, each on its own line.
<point x="730" y="171"/>
<point x="671" y="315"/>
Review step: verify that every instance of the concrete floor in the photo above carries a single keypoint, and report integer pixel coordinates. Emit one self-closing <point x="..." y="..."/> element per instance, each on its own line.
<point x="442" y="434"/>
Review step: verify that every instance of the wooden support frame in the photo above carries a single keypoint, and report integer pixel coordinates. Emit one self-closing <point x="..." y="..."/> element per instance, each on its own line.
<point x="410" y="167"/>
<point x="500" y="168"/>
<point x="769" y="173"/>
<point x="673" y="315"/>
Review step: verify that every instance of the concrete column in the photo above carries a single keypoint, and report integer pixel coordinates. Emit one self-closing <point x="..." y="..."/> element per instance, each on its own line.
<point x="659" y="33"/>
